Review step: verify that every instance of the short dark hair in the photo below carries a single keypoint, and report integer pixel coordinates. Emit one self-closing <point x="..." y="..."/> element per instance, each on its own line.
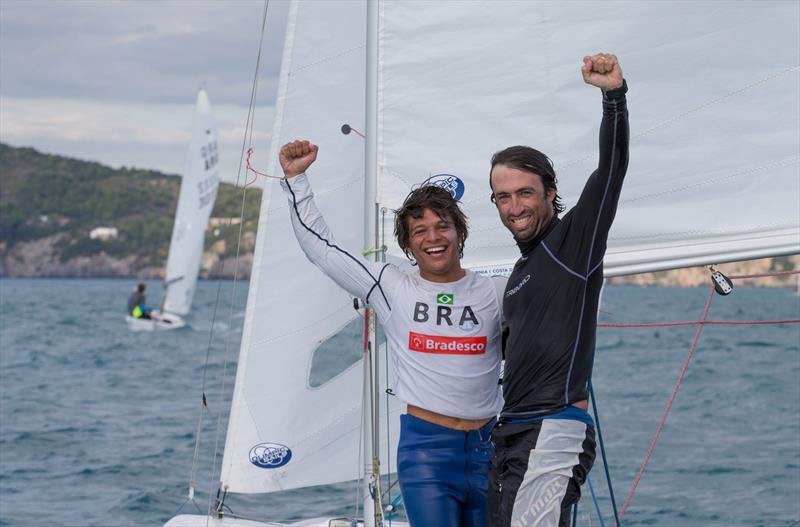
<point x="439" y="201"/>
<point x="530" y="160"/>
<point x="140" y="287"/>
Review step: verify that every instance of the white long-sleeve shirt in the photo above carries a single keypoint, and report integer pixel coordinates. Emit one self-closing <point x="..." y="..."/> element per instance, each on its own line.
<point x="444" y="338"/>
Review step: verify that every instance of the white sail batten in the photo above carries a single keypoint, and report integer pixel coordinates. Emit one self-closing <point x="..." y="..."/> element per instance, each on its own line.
<point x="714" y="170"/>
<point x="195" y="201"/>
<point x="283" y="431"/>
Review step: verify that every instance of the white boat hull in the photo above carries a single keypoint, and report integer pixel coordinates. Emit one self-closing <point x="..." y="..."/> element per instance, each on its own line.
<point x="159" y="322"/>
<point x="195" y="520"/>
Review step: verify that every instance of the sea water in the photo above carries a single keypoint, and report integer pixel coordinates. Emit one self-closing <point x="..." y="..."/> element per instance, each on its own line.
<point x="97" y="423"/>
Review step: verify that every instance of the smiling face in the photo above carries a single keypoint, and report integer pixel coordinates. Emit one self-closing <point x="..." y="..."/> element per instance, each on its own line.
<point x="434" y="243"/>
<point x="525" y="207"/>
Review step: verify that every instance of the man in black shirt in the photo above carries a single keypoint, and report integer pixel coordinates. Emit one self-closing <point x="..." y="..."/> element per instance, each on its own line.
<point x="544" y="440"/>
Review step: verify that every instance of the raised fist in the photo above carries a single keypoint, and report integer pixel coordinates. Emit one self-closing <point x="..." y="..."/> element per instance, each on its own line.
<point x="296" y="157"/>
<point x="602" y="70"/>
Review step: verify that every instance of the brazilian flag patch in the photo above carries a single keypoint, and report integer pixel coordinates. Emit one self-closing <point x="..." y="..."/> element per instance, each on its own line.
<point x="444" y="298"/>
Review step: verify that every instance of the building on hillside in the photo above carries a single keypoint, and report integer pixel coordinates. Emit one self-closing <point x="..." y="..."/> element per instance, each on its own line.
<point x="103" y="233"/>
<point x="222" y="222"/>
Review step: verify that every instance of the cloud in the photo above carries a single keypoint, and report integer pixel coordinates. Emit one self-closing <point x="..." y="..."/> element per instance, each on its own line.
<point x="124" y="134"/>
<point x="136" y="51"/>
<point x="114" y="81"/>
<point x="150" y="31"/>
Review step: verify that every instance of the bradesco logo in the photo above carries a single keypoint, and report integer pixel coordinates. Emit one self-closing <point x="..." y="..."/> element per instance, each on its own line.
<point x="446" y="345"/>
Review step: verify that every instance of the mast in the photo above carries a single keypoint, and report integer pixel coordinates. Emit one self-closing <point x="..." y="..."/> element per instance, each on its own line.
<point x="373" y="511"/>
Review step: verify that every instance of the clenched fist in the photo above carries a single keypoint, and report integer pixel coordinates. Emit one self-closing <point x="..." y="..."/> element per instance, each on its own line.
<point x="296" y="157"/>
<point x="602" y="70"/>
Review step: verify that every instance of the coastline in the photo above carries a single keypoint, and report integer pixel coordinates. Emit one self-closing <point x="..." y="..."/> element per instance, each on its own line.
<point x="697" y="276"/>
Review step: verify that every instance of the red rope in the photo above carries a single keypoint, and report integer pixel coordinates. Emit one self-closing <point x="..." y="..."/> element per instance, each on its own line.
<point x="358" y="133"/>
<point x="654" y="440"/>
<point x="701" y="322"/>
<point x="253" y="170"/>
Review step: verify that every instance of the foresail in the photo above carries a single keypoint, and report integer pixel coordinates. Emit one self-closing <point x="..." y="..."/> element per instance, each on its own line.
<point x="198" y="192"/>
<point x="286" y="429"/>
<point x="714" y="173"/>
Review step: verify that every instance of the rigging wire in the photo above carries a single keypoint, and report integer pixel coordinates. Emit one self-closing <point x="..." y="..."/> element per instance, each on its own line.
<point x="390" y="509"/>
<point x="599" y="429"/>
<point x="700" y="325"/>
<point x="596" y="503"/>
<point x="361" y="458"/>
<point x="600" y="441"/>
<point x="247" y="139"/>
<point x="702" y="106"/>
<point x="248" y="131"/>
<point x="671" y="400"/>
<point x="182" y="505"/>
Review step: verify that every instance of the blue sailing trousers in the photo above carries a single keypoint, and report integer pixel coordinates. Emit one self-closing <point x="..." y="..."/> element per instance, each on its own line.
<point x="443" y="473"/>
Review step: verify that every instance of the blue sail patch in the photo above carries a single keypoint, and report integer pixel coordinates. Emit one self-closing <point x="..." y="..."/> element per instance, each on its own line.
<point x="270" y="455"/>
<point x="449" y="182"/>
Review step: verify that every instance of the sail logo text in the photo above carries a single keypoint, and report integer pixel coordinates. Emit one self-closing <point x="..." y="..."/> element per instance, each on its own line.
<point x="449" y="182"/>
<point x="518" y="286"/>
<point x="446" y="345"/>
<point x="207" y="190"/>
<point x="209" y="153"/>
<point x="270" y="455"/>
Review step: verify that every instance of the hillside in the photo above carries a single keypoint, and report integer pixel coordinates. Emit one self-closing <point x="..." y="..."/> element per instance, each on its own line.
<point x="700" y="276"/>
<point x="49" y="204"/>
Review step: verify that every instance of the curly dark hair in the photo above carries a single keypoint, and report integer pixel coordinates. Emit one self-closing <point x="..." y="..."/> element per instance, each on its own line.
<point x="439" y="201"/>
<point x="530" y="160"/>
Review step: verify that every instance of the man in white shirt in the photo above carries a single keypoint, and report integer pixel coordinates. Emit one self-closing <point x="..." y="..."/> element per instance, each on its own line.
<point x="443" y="327"/>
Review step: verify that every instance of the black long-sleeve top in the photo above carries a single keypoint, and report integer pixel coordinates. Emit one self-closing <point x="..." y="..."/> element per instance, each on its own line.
<point x="551" y="300"/>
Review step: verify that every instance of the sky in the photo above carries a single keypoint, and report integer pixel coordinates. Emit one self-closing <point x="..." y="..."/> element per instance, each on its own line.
<point x="116" y="81"/>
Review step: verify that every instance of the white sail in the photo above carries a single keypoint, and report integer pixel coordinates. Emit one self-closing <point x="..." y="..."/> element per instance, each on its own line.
<point x="713" y="173"/>
<point x="713" y="101"/>
<point x="283" y="432"/>
<point x="196" y="199"/>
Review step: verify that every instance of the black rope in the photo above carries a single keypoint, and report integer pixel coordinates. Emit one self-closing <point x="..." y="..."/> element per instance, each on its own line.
<point x="377" y="284"/>
<point x="334" y="246"/>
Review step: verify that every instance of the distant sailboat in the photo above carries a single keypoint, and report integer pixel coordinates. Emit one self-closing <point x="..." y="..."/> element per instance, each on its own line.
<point x="712" y="178"/>
<point x="198" y="192"/>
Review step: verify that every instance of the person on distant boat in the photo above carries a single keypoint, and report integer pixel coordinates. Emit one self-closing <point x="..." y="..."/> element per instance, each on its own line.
<point x="137" y="303"/>
<point x="544" y="438"/>
<point x="443" y="327"/>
